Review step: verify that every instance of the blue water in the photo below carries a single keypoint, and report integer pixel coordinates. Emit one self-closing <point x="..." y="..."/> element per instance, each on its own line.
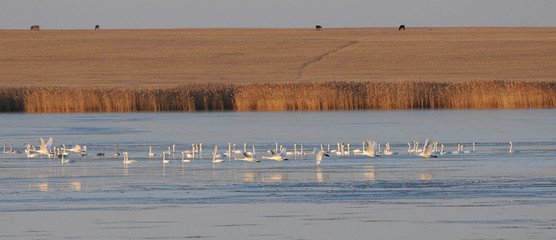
<point x="490" y="194"/>
<point x="490" y="172"/>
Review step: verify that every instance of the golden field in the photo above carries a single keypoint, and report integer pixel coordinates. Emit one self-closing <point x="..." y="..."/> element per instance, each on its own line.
<point x="265" y="69"/>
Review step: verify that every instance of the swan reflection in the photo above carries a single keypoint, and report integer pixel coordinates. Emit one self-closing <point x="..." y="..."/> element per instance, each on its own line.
<point x="425" y="175"/>
<point x="369" y="173"/>
<point x="321" y="176"/>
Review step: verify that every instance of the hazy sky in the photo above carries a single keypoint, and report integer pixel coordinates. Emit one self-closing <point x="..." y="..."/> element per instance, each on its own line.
<point x="71" y="14"/>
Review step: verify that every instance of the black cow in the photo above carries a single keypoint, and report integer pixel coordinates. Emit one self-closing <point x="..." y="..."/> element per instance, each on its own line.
<point x="35" y="28"/>
<point x="402" y="27"/>
<point x="318" y="27"/>
<point x="97" y="27"/>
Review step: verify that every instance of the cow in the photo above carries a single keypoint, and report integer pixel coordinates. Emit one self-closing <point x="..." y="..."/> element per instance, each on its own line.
<point x="97" y="27"/>
<point x="402" y="27"/>
<point x="35" y="28"/>
<point x="318" y="27"/>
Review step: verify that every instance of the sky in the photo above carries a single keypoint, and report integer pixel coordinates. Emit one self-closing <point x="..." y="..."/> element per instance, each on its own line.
<point x="84" y="14"/>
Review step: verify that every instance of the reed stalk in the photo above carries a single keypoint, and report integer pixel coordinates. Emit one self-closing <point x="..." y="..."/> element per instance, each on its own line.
<point x="284" y="97"/>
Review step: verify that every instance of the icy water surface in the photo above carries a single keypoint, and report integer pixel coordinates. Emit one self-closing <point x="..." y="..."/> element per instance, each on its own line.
<point x="490" y="194"/>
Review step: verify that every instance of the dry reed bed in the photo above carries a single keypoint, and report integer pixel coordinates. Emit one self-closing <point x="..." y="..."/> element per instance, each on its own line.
<point x="284" y="97"/>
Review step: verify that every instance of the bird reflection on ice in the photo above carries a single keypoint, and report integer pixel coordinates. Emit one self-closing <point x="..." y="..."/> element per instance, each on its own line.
<point x="425" y="175"/>
<point x="369" y="173"/>
<point x="275" y="177"/>
<point x="76" y="186"/>
<point x="321" y="176"/>
<point x="250" y="177"/>
<point x="43" y="186"/>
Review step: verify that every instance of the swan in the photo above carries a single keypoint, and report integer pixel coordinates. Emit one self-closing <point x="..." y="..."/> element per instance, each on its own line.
<point x="359" y="151"/>
<point x="185" y="155"/>
<point x="101" y="154"/>
<point x="474" y="150"/>
<point x="151" y="153"/>
<point x="64" y="160"/>
<point x="294" y="152"/>
<point x="275" y="156"/>
<point x="254" y="151"/>
<point x="319" y="156"/>
<point x="127" y="160"/>
<point x="416" y="148"/>
<point x="29" y="153"/>
<point x="464" y="151"/>
<point x="427" y="150"/>
<point x="236" y="151"/>
<point x="228" y="154"/>
<point x="169" y="152"/>
<point x="458" y="151"/>
<point x="43" y="148"/>
<point x="83" y="151"/>
<point x="216" y="156"/>
<point x="512" y="150"/>
<point x="442" y="152"/>
<point x="164" y="160"/>
<point x="12" y="151"/>
<point x="116" y="151"/>
<point x="336" y="151"/>
<point x="409" y="149"/>
<point x="58" y="152"/>
<point x="5" y="152"/>
<point x="370" y="149"/>
<point x="247" y="157"/>
<point x="75" y="149"/>
<point x="388" y="150"/>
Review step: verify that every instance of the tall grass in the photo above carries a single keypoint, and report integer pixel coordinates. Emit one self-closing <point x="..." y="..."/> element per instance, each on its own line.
<point x="284" y="97"/>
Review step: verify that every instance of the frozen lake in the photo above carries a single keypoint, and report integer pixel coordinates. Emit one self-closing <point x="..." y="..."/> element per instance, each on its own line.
<point x="490" y="194"/>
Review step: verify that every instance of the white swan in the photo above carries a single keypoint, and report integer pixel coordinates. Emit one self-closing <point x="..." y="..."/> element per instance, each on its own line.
<point x="236" y="151"/>
<point x="164" y="160"/>
<point x="512" y="150"/>
<point x="127" y="160"/>
<point x="464" y="151"/>
<point x="12" y="151"/>
<point x="185" y="155"/>
<point x="151" y="154"/>
<point x="410" y="149"/>
<point x="388" y="150"/>
<point x="360" y="151"/>
<point x="44" y="148"/>
<point x="427" y="150"/>
<point x="247" y="157"/>
<point x="319" y="155"/>
<point x="458" y="151"/>
<point x="442" y="152"/>
<point x="216" y="156"/>
<point x="75" y="149"/>
<point x="275" y="156"/>
<point x="370" y="149"/>
<point x="64" y="160"/>
<point x="416" y="148"/>
<point x="4" y="152"/>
